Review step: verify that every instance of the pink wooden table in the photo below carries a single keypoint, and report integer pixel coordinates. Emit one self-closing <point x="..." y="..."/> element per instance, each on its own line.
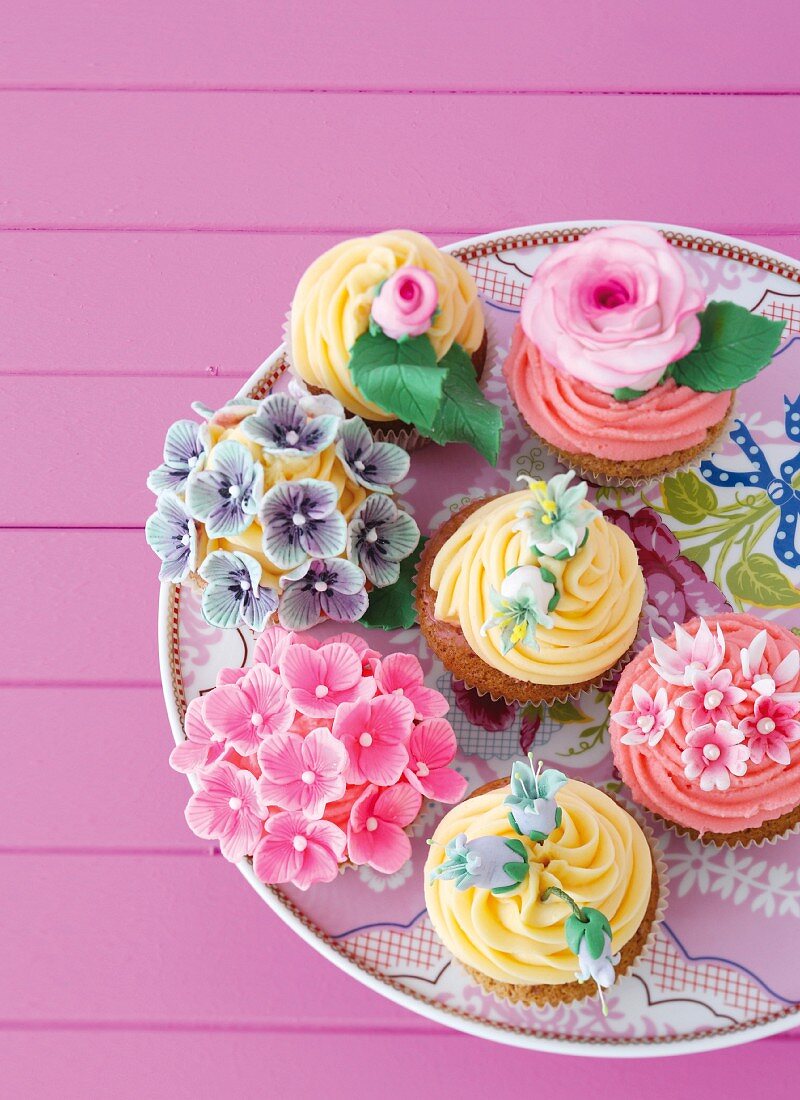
<point x="167" y="170"/>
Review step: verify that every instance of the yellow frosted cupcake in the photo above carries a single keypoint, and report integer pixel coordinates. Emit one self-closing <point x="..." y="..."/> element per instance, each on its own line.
<point x="393" y="328"/>
<point x="532" y="596"/>
<point x="544" y="888"/>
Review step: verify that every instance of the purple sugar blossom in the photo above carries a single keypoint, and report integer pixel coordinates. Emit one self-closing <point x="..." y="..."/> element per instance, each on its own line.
<point x="233" y="592"/>
<point x="379" y="537"/>
<point x="184" y="452"/>
<point x="376" y="466"/>
<point x="301" y="520"/>
<point x="324" y="586"/>
<point x="171" y="532"/>
<point x="225" y="496"/>
<point x="282" y="428"/>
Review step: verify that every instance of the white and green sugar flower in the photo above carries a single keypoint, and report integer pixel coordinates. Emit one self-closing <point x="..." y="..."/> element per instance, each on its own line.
<point x="556" y="518"/>
<point x="527" y="596"/>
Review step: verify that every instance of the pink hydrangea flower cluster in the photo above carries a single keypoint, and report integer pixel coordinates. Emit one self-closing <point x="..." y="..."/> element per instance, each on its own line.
<point x="731" y="720"/>
<point x="319" y="754"/>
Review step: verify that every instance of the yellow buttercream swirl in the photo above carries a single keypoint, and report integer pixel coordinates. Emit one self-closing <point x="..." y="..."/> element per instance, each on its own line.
<point x="595" y="621"/>
<point x="332" y="304"/>
<point x="324" y="466"/>
<point x="598" y="855"/>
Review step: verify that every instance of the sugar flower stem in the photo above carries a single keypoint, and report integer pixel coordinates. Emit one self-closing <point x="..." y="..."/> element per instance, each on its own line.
<point x="559" y="893"/>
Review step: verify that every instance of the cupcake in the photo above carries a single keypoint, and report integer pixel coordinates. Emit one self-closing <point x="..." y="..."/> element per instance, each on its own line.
<point x="620" y="365"/>
<point x="544" y="889"/>
<point x="393" y="328"/>
<point x="705" y="729"/>
<point x="317" y="757"/>
<point x="280" y="508"/>
<point x="530" y="596"/>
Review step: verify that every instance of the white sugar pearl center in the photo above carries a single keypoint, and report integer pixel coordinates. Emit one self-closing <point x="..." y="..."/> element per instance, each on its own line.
<point x="712" y="699"/>
<point x="299" y="843"/>
<point x="359" y="465"/>
<point x="320" y="586"/>
<point x="372" y="824"/>
<point x="244" y="585"/>
<point x="308" y="777"/>
<point x="235" y="803"/>
<point x="422" y="769"/>
<point x="185" y="540"/>
<point x="372" y="535"/>
<point x="298" y="519"/>
<point x="645" y="722"/>
<point x="234" y="491"/>
<point x="711" y="752"/>
<point x="365" y="740"/>
<point x="765" y="725"/>
<point x="257" y="719"/>
<point x="321" y="690"/>
<point x="292" y="437"/>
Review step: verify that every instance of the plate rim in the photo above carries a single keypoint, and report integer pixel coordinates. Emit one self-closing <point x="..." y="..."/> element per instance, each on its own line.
<point x="688" y="237"/>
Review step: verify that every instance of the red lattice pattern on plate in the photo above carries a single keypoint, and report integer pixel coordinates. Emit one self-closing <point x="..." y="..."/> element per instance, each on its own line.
<point x="496" y="285"/>
<point x="783" y="309"/>
<point x="673" y="974"/>
<point x="417" y="950"/>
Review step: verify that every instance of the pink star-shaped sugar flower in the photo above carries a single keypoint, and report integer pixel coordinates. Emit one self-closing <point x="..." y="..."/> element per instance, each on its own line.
<point x="319" y="680"/>
<point x="714" y="753"/>
<point x="375" y="831"/>
<point x="227" y="808"/>
<point x="302" y="773"/>
<point x="202" y="746"/>
<point x="401" y="674"/>
<point x="250" y="709"/>
<point x="375" y="732"/>
<point x="771" y="729"/>
<point x="702" y="651"/>
<point x="712" y="696"/>
<point x="299" y="850"/>
<point x="648" y="719"/>
<point x="431" y="748"/>
<point x="764" y="682"/>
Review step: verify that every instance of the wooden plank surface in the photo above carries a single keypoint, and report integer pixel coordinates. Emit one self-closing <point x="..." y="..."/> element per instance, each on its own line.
<point x="231" y="44"/>
<point x="440" y="162"/>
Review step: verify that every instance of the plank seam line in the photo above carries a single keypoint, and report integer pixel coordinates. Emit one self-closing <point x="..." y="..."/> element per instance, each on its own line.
<point x="299" y="1027"/>
<point x="311" y="89"/>
<point x="289" y="230"/>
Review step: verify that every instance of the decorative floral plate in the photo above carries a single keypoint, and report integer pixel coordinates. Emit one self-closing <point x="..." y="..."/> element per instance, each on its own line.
<point x="724" y="968"/>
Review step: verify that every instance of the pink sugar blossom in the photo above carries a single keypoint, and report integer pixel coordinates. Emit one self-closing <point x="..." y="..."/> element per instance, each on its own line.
<point x="227" y="808"/>
<point x="712" y="696"/>
<point x="363" y="649"/>
<point x="771" y="729"/>
<point x="699" y="652"/>
<point x="299" y="850"/>
<point x="302" y="773"/>
<point x="431" y="748"/>
<point x="202" y="746"/>
<point x="271" y="647"/>
<point x="765" y="683"/>
<point x="319" y="680"/>
<point x="401" y="674"/>
<point x="375" y="732"/>
<point x="714" y="753"/>
<point x="375" y="830"/>
<point x="249" y="710"/>
<point x="648" y="719"/>
<point x="230" y="676"/>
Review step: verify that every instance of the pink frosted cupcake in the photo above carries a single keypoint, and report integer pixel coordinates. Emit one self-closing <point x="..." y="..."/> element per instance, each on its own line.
<point x="620" y="365"/>
<point x="705" y="729"/>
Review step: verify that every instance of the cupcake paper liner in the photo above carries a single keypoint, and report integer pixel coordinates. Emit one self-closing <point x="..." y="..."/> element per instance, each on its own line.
<point x="743" y="838"/>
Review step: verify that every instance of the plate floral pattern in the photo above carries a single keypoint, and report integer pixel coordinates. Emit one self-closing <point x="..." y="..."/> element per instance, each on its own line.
<point x="720" y="534"/>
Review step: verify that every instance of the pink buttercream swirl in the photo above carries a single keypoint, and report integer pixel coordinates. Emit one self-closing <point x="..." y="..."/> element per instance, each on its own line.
<point x="614" y="308"/>
<point x="576" y="417"/>
<point x="405" y="303"/>
<point x="659" y="777"/>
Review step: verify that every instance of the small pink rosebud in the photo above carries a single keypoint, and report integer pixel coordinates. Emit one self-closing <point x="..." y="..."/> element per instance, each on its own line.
<point x="405" y="304"/>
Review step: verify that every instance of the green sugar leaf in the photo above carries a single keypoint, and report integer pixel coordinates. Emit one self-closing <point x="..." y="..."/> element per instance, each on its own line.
<point x="574" y="930"/>
<point x="465" y="416"/>
<point x="627" y="394"/>
<point x="401" y="376"/>
<point x="393" y="608"/>
<point x="734" y="346"/>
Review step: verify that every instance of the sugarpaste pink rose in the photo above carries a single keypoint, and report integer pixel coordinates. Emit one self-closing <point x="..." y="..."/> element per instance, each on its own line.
<point x="614" y="309"/>
<point x="405" y="303"/>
